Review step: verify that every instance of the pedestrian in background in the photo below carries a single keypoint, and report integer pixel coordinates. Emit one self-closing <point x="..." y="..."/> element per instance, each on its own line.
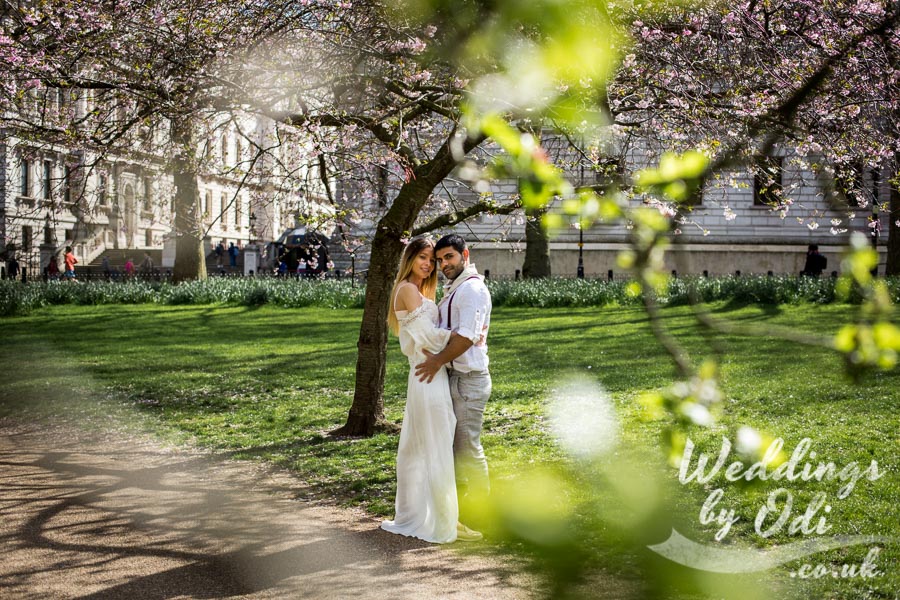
<point x="233" y="252"/>
<point x="815" y="262"/>
<point x="70" y="261"/>
<point x="12" y="268"/>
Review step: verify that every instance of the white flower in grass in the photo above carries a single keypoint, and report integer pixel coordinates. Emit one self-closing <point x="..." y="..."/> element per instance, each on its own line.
<point x="582" y="418"/>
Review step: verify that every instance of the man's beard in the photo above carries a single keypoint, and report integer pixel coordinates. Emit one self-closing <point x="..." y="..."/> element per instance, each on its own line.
<point x="456" y="273"/>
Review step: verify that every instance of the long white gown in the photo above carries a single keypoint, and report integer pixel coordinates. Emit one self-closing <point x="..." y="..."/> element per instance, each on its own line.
<point x="426" y="505"/>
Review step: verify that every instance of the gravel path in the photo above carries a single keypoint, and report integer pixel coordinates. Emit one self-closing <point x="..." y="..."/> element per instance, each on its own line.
<point x="109" y="515"/>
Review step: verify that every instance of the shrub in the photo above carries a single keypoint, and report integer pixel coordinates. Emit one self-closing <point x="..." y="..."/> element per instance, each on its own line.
<point x="16" y="298"/>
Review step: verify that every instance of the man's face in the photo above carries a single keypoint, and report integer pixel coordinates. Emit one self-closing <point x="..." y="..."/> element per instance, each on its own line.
<point x="451" y="263"/>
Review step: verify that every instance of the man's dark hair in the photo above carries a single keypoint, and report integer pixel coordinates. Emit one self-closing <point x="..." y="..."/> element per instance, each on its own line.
<point x="813" y="247"/>
<point x="454" y="240"/>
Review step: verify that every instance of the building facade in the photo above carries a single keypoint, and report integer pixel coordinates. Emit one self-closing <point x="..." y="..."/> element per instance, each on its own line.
<point x="755" y="220"/>
<point x="51" y="196"/>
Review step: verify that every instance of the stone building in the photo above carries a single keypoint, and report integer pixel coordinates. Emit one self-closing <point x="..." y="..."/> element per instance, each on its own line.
<point x="115" y="205"/>
<point x="731" y="226"/>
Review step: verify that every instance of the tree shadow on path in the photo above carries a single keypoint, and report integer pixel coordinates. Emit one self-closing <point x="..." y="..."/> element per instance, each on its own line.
<point x="105" y="517"/>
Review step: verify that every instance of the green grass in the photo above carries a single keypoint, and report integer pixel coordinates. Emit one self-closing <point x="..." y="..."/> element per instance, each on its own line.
<point x="271" y="382"/>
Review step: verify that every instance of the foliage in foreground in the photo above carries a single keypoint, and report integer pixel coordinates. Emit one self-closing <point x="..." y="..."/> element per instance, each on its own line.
<point x="16" y="298"/>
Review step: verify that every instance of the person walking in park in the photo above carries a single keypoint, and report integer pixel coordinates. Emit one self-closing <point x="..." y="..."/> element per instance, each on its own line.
<point x="465" y="311"/>
<point x="52" y="268"/>
<point x="220" y="254"/>
<point x="233" y="252"/>
<point x="815" y="262"/>
<point x="147" y="265"/>
<point x="129" y="268"/>
<point x="70" y="261"/>
<point x="12" y="268"/>
<point x="107" y="270"/>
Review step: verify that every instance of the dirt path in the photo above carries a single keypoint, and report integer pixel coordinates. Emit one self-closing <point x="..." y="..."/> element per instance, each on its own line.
<point x="105" y="515"/>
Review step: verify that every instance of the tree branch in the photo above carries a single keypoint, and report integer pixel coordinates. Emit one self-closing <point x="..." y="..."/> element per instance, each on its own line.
<point x="450" y="219"/>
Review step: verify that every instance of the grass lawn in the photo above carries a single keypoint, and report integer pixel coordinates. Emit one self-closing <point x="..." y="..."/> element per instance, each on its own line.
<point x="271" y="382"/>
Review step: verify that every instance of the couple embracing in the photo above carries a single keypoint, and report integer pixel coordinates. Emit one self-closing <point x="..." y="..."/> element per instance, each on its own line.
<point x="448" y="387"/>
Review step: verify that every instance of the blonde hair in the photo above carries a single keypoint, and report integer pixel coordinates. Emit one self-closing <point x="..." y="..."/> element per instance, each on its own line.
<point x="428" y="287"/>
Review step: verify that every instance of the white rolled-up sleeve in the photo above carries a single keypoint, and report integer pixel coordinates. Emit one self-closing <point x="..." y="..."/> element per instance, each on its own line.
<point x="471" y="308"/>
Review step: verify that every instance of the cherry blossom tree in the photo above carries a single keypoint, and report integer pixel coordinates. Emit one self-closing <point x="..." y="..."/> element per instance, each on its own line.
<point x="700" y="76"/>
<point x="385" y="112"/>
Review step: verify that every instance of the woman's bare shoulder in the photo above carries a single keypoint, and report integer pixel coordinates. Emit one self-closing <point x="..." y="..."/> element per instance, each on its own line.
<point x="408" y="297"/>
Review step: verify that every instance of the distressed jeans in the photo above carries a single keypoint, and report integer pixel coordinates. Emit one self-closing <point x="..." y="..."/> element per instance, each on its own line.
<point x="470" y="393"/>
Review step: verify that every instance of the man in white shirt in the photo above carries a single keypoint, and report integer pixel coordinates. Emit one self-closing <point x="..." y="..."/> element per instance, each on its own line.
<point x="466" y="311"/>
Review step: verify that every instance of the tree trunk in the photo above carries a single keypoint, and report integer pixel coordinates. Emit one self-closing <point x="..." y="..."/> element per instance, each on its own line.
<point x="190" y="258"/>
<point x="367" y="412"/>
<point x="537" y="246"/>
<point x="893" y="241"/>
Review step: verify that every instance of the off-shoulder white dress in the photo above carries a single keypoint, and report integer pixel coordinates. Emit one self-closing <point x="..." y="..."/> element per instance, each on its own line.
<point x="426" y="504"/>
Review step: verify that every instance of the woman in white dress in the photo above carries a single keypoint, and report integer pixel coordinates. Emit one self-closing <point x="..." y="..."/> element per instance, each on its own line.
<point x="426" y="504"/>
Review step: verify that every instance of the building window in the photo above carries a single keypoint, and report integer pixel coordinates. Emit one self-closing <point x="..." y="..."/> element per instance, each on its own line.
<point x="856" y="185"/>
<point x="148" y="194"/>
<point x="237" y="212"/>
<point x="224" y="212"/>
<point x="148" y="237"/>
<point x="237" y="151"/>
<point x="695" y="199"/>
<point x="27" y="234"/>
<point x="67" y="184"/>
<point x="607" y="171"/>
<point x="224" y="149"/>
<point x="101" y="190"/>
<point x="25" y="186"/>
<point x="768" y="184"/>
<point x="207" y="203"/>
<point x="48" y="179"/>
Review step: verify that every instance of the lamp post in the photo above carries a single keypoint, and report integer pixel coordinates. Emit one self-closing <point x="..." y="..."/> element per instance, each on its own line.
<point x="876" y="231"/>
<point x="48" y="232"/>
<point x="251" y="251"/>
<point x="353" y="269"/>
<point x="580" y="271"/>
